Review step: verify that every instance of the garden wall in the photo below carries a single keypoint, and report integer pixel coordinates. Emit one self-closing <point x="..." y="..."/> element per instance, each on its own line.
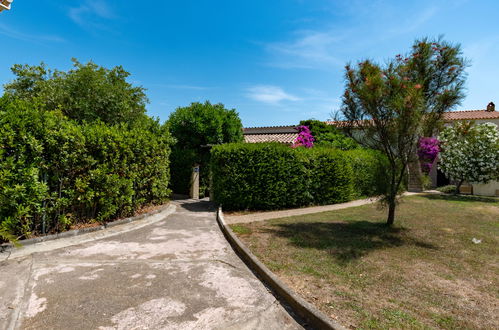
<point x="270" y="176"/>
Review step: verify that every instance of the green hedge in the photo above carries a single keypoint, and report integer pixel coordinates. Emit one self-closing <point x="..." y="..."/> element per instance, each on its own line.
<point x="55" y="172"/>
<point x="275" y="176"/>
<point x="369" y="168"/>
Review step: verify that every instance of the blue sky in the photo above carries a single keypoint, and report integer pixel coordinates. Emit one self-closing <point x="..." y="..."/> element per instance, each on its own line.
<point x="276" y="62"/>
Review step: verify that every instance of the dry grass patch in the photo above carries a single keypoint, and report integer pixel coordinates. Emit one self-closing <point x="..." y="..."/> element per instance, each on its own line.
<point x="425" y="272"/>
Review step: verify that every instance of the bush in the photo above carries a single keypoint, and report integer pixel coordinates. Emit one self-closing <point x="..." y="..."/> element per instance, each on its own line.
<point x="270" y="176"/>
<point x="369" y="168"/>
<point x="449" y="189"/>
<point x="55" y="172"/>
<point x="329" y="136"/>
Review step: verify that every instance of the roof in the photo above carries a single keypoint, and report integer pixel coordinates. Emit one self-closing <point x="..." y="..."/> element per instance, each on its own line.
<point x="281" y="134"/>
<point x="470" y="115"/>
<point x="270" y="130"/>
<point x="288" y="134"/>
<point x="447" y="116"/>
<point x="287" y="138"/>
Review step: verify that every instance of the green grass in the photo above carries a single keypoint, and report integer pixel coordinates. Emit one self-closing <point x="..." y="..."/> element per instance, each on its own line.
<point x="425" y="272"/>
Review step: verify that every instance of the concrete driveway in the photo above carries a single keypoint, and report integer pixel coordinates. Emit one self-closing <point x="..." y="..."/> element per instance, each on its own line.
<point x="173" y="270"/>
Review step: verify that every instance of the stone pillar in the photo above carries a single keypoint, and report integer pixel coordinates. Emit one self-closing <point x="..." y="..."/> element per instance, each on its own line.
<point x="194" y="193"/>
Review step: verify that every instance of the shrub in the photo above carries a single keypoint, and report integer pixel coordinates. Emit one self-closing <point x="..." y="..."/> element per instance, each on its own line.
<point x="449" y="189"/>
<point x="368" y="171"/>
<point x="328" y="135"/>
<point x="270" y="176"/>
<point x="259" y="176"/>
<point x="55" y="172"/>
<point x="470" y="152"/>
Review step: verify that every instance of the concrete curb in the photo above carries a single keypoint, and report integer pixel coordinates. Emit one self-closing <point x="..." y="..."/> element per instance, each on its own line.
<point x="77" y="232"/>
<point x="305" y="310"/>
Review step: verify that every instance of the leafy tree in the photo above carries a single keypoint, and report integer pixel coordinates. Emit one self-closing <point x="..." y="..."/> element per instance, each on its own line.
<point x="87" y="92"/>
<point x="195" y="129"/>
<point x="439" y="67"/>
<point x="470" y="152"/>
<point x="329" y="136"/>
<point x="389" y="107"/>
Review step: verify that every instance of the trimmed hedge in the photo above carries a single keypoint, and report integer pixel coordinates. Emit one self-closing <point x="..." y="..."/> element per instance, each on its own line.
<point x="270" y="176"/>
<point x="55" y="172"/>
<point x="369" y="168"/>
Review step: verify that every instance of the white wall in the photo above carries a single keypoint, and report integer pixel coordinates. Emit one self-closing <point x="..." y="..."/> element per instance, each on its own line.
<point x="488" y="189"/>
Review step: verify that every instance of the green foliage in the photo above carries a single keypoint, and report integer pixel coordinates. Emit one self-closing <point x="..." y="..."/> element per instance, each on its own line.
<point x="329" y="136"/>
<point x="470" y="152"/>
<point x="55" y="172"/>
<point x="369" y="168"/>
<point x="106" y="95"/>
<point x="449" y="189"/>
<point x="268" y="176"/>
<point x="438" y="66"/>
<point x="388" y="107"/>
<point x="195" y="128"/>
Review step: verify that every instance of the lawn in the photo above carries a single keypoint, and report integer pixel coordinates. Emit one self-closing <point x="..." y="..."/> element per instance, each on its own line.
<point x="425" y="272"/>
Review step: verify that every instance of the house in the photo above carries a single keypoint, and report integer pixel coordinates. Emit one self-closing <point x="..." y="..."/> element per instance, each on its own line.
<point x="281" y="134"/>
<point x="288" y="134"/>
<point x="5" y="4"/>
<point x="488" y="115"/>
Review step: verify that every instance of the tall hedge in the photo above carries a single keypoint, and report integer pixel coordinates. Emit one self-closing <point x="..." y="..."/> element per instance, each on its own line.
<point x="273" y="176"/>
<point x="55" y="172"/>
<point x="369" y="168"/>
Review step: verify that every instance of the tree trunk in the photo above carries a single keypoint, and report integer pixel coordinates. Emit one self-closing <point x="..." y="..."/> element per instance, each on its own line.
<point x="391" y="212"/>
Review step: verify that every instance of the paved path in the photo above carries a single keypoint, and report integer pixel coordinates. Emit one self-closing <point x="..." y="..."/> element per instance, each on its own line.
<point x="262" y="216"/>
<point x="173" y="270"/>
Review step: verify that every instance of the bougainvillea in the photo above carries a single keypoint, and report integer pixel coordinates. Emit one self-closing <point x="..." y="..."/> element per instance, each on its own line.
<point x="428" y="149"/>
<point x="304" y="139"/>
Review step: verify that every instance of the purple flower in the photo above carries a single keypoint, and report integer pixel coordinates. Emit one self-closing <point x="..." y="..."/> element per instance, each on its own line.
<point x="428" y="149"/>
<point x="304" y="139"/>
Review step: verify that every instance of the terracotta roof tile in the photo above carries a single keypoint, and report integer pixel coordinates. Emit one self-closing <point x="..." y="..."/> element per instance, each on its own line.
<point x="471" y="115"/>
<point x="270" y="130"/>
<point x="448" y="116"/>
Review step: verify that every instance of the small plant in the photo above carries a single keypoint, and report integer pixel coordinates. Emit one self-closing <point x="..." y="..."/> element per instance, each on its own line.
<point x="426" y="181"/>
<point x="6" y="236"/>
<point x="449" y="189"/>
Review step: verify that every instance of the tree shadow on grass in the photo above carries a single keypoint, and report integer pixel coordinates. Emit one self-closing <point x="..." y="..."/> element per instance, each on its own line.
<point x="461" y="198"/>
<point x="346" y="241"/>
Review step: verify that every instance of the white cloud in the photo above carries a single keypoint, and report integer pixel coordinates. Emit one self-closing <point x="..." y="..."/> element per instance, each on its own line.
<point x="330" y="47"/>
<point x="36" y="38"/>
<point x="89" y="12"/>
<point x="269" y="94"/>
<point x="416" y="21"/>
<point x="310" y="49"/>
